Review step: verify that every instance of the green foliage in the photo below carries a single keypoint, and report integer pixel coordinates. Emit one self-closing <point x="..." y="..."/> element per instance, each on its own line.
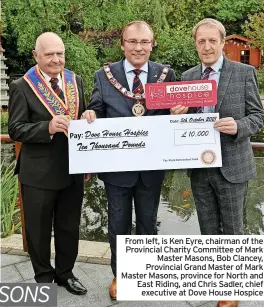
<point x="152" y="11"/>
<point x="259" y="137"/>
<point x="109" y="15"/>
<point x="186" y="13"/>
<point x="260" y="75"/>
<point x="254" y="29"/>
<point x="105" y="23"/>
<point x="25" y="20"/>
<point x="176" y="48"/>
<point x="229" y="10"/>
<point x="90" y="29"/>
<point x="259" y="153"/>
<point x="81" y="58"/>
<point x="233" y="14"/>
<point x="9" y="209"/>
<point x="254" y="217"/>
<point x="4" y="122"/>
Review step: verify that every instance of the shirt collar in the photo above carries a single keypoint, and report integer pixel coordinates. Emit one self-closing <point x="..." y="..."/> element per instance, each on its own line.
<point x="217" y="65"/>
<point x="128" y="67"/>
<point x="48" y="78"/>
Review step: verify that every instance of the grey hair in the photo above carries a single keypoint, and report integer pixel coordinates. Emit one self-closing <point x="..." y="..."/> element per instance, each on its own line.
<point x="211" y="23"/>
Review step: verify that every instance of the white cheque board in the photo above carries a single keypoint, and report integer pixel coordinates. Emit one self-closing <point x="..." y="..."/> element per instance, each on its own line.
<point x="144" y="143"/>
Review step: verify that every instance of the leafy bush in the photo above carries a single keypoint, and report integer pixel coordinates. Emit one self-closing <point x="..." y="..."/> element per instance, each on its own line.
<point x="4" y="122"/>
<point x="259" y="137"/>
<point x="9" y="209"/>
<point x="260" y="75"/>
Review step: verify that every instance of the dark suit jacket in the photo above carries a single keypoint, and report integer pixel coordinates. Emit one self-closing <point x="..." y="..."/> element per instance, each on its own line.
<point x="43" y="162"/>
<point x="238" y="97"/>
<point x="107" y="102"/>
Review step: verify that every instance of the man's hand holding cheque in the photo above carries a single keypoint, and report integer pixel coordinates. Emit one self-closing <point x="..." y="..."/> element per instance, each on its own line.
<point x="59" y="123"/>
<point x="179" y="109"/>
<point x="226" y="125"/>
<point x="90" y="115"/>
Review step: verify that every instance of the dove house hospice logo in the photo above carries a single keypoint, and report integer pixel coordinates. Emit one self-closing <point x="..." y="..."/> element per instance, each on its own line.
<point x="157" y="93"/>
<point x="186" y="93"/>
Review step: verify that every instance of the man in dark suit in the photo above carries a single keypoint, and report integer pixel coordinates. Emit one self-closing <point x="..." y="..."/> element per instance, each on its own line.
<point x="220" y="193"/>
<point x="123" y="98"/>
<point x="40" y="107"/>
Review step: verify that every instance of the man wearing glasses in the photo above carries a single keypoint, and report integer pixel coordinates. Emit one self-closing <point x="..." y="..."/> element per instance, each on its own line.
<point x="119" y="92"/>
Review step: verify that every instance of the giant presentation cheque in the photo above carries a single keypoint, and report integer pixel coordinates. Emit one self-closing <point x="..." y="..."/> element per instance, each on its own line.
<point x="144" y="143"/>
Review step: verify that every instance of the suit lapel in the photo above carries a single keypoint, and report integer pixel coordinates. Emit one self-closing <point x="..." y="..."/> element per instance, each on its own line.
<point x="153" y="73"/>
<point x="119" y="74"/>
<point x="224" y="80"/>
<point x="197" y="72"/>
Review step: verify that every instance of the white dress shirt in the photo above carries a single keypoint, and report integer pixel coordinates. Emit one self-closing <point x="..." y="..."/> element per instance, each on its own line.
<point x="48" y="78"/>
<point x="130" y="75"/>
<point x="214" y="75"/>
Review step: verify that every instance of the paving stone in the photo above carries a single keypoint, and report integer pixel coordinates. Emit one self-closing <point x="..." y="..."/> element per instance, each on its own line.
<point x="92" y="249"/>
<point x="251" y="304"/>
<point x="154" y="304"/>
<point x="7" y="259"/>
<point x="82" y="258"/>
<point x="14" y="241"/>
<point x="5" y="250"/>
<point x="214" y="304"/>
<point x="52" y="248"/>
<point x="11" y="239"/>
<point x="95" y="296"/>
<point x="241" y="304"/>
<point x="96" y="278"/>
<point x="101" y="275"/>
<point x="87" y="249"/>
<point x="202" y="303"/>
<point x="98" y="260"/>
<point x="10" y="274"/>
<point x="78" y="263"/>
<point x="91" y="299"/>
<point x="17" y="251"/>
<point x="108" y="254"/>
<point x="25" y="269"/>
<point x="29" y="281"/>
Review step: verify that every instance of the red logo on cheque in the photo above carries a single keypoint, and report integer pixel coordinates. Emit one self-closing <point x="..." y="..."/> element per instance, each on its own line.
<point x="188" y="93"/>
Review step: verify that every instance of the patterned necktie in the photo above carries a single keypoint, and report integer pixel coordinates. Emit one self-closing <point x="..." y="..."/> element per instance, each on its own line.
<point x="56" y="88"/>
<point x="206" y="75"/>
<point x="137" y="85"/>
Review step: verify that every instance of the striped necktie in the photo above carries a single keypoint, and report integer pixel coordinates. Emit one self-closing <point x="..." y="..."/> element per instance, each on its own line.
<point x="56" y="88"/>
<point x="137" y="85"/>
<point x="206" y="75"/>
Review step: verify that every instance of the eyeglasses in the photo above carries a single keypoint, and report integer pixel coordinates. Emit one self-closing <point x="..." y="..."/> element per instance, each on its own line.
<point x="133" y="42"/>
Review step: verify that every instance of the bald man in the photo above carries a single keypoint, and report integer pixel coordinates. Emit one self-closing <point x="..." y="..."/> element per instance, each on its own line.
<point x="41" y="105"/>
